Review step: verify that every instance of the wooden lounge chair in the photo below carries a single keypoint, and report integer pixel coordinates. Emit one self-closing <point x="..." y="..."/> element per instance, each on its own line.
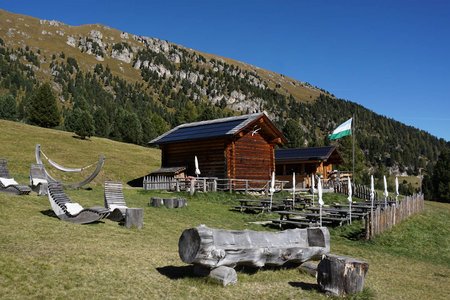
<point x="8" y="184"/>
<point x="114" y="201"/>
<point x="38" y="179"/>
<point x="70" y="211"/>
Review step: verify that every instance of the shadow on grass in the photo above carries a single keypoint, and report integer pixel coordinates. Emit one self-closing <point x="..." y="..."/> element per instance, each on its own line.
<point x="173" y="272"/>
<point x="49" y="213"/>
<point x="81" y="138"/>
<point x="356" y="235"/>
<point x="305" y="286"/>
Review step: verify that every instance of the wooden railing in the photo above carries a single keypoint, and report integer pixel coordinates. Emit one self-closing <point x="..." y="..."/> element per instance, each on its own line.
<point x="209" y="184"/>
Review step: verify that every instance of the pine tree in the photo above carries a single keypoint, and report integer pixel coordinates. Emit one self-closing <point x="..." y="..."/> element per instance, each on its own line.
<point x="441" y="177"/>
<point x="101" y="123"/>
<point x="42" y="109"/>
<point x="8" y="109"/>
<point x="80" y="122"/>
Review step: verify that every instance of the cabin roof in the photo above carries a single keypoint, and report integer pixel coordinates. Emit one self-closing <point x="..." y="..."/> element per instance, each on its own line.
<point x="168" y="171"/>
<point x="211" y="129"/>
<point x="328" y="153"/>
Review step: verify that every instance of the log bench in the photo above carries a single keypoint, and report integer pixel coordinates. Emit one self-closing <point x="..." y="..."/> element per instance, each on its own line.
<point x="212" y="248"/>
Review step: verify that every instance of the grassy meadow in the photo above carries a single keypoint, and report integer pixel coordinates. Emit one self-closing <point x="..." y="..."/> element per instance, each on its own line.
<point x="45" y="258"/>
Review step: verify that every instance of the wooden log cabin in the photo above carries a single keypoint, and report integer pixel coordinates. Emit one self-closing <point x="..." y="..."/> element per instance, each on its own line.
<point x="240" y="147"/>
<point x="305" y="162"/>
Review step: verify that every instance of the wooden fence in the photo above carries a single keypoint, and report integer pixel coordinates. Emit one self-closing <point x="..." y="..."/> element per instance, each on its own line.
<point x="209" y="184"/>
<point x="359" y="191"/>
<point x="384" y="218"/>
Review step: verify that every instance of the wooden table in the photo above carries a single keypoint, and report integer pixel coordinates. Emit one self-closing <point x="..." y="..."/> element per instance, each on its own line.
<point x="254" y="204"/>
<point x="342" y="212"/>
<point x="288" y="217"/>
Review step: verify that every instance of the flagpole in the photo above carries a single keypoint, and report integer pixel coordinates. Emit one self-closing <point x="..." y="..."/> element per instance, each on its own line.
<point x="353" y="146"/>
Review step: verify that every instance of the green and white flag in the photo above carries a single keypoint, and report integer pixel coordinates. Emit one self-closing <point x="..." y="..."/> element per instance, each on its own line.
<point x="343" y="130"/>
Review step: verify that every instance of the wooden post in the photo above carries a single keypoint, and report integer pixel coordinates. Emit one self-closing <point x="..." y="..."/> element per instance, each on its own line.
<point x="340" y="275"/>
<point x="134" y="217"/>
<point x="192" y="188"/>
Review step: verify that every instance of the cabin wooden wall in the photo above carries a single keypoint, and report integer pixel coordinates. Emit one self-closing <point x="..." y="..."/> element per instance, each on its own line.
<point x="248" y="157"/>
<point x="324" y="169"/>
<point x="210" y="155"/>
<point x="251" y="157"/>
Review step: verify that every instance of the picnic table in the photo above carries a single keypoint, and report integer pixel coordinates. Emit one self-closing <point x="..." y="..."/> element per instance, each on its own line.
<point x="296" y="218"/>
<point x="303" y="219"/>
<point x="298" y="204"/>
<point x="261" y="205"/>
<point x="342" y="212"/>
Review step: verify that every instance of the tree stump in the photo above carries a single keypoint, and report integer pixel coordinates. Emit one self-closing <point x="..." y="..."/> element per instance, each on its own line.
<point x="340" y="275"/>
<point x="213" y="248"/>
<point x="134" y="217"/>
<point x="181" y="202"/>
<point x="169" y="202"/>
<point x="156" y="202"/>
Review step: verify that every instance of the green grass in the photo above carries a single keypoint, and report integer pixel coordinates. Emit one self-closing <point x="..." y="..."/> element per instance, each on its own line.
<point x="43" y="257"/>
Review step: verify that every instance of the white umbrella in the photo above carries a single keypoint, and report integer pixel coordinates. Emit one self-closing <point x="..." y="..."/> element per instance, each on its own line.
<point x="272" y="188"/>
<point x="319" y="190"/>
<point x="372" y="190"/>
<point x="313" y="189"/>
<point x="293" y="190"/>
<point x="386" y="194"/>
<point x="350" y="198"/>
<point x="197" y="170"/>
<point x="396" y="189"/>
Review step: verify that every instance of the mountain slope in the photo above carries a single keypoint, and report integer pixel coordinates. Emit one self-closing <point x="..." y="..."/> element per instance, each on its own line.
<point x="135" y="88"/>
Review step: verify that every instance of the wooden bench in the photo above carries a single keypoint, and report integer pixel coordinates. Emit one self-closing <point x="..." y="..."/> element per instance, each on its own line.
<point x="297" y="223"/>
<point x="312" y="217"/>
<point x="243" y="208"/>
<point x="261" y="205"/>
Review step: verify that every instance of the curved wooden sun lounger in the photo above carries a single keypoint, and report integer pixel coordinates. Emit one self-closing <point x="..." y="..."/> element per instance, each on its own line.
<point x="70" y="211"/>
<point x="8" y="184"/>
<point x="115" y="201"/>
<point x="38" y="179"/>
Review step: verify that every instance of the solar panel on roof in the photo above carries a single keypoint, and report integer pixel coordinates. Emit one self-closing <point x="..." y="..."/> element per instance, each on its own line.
<point x="201" y="131"/>
<point x="303" y="153"/>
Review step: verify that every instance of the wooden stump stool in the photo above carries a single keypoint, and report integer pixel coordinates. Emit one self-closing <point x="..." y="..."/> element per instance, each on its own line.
<point x="169" y="202"/>
<point x="341" y="275"/>
<point x="134" y="217"/>
<point x="156" y="202"/>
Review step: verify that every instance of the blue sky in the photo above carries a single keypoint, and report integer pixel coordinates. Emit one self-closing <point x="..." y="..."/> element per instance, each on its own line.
<point x="392" y="57"/>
